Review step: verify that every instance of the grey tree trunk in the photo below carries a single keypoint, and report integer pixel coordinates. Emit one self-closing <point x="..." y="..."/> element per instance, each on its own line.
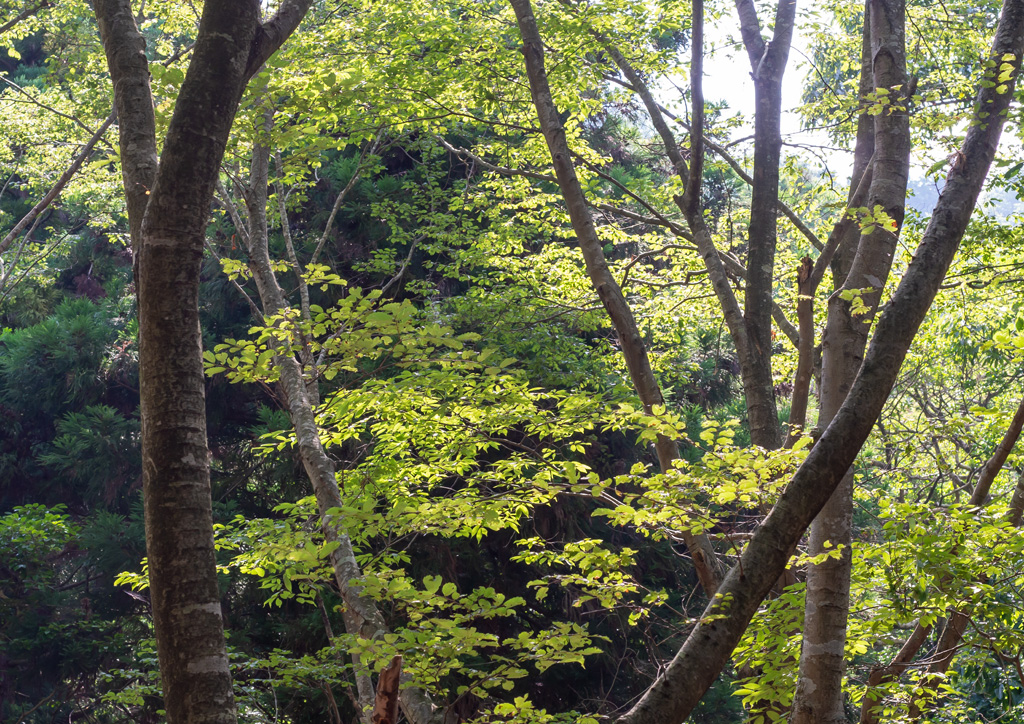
<point x="168" y="205"/>
<point x="750" y="328"/>
<point x="768" y="64"/>
<point x="708" y="647"/>
<point x="819" y="694"/>
<point x="361" y="615"/>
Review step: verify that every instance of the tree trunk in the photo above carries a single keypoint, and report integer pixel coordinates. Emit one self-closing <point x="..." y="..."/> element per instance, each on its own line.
<point x="361" y="616"/>
<point x="168" y="207"/>
<point x="707" y="649"/>
<point x="768" y="64"/>
<point x="805" y="351"/>
<point x="819" y="695"/>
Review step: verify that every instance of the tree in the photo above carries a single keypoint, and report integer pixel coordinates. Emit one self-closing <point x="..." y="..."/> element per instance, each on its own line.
<point x="478" y="400"/>
<point x="861" y="269"/>
<point x="168" y="198"/>
<point x="301" y="395"/>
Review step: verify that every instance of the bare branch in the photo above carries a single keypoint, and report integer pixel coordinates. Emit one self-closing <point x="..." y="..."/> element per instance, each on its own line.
<point x="44" y="202"/>
<point x="341" y="196"/>
<point x="24" y="15"/>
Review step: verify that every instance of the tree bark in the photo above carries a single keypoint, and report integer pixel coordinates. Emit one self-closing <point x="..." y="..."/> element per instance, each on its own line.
<point x="819" y="695"/>
<point x="900" y="663"/>
<point x="707" y="649"/>
<point x="637" y="362"/>
<point x="805" y="351"/>
<point x="995" y="463"/>
<point x="768" y="64"/>
<point x="361" y="616"/>
<point x="168" y="206"/>
<point x="1016" y="512"/>
<point x="750" y="328"/>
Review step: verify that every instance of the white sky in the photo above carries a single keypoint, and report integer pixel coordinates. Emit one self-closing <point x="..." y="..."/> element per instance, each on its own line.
<point x="727" y="78"/>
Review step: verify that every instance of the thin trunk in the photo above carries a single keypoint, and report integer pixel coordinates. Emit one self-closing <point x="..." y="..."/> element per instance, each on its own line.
<point x="805" y="351"/>
<point x="639" y="366"/>
<point x="841" y="239"/>
<point x="319" y="467"/>
<point x="708" y="647"/>
<point x="945" y="651"/>
<point x="50" y="195"/>
<point x="361" y="616"/>
<point x="750" y="328"/>
<point x="758" y="395"/>
<point x="768" y="64"/>
<point x="869" y="711"/>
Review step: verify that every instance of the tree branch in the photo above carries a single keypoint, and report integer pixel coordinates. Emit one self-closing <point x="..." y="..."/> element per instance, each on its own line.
<point x="44" y="202"/>
<point x="630" y="340"/>
<point x="271" y="35"/>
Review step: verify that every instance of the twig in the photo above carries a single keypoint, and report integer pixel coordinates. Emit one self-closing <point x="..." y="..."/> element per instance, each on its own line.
<point x="344" y="192"/>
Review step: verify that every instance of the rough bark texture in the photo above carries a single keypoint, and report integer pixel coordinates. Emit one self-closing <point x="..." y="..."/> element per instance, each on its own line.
<point x="168" y="208"/>
<point x="385" y="707"/>
<point x="125" y="49"/>
<point x="819" y="694"/>
<point x="708" y="647"/>
<point x="633" y="349"/>
<point x="176" y="485"/>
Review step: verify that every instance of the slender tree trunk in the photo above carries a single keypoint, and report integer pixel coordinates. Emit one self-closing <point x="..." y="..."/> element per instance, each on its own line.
<point x="805" y="351"/>
<point x="819" y="696"/>
<point x="168" y="207"/>
<point x="768" y="64"/>
<point x="708" y="647"/>
<point x="995" y="463"/>
<point x="361" y="616"/>
<point x="900" y="663"/>
<point x="1016" y="512"/>
<point x="749" y="328"/>
<point x="637" y="362"/>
